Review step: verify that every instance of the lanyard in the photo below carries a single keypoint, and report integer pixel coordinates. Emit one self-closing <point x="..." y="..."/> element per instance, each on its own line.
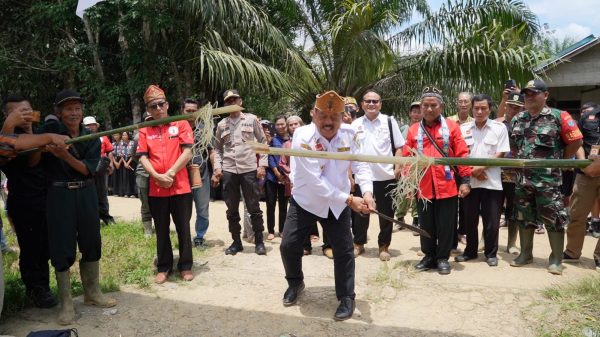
<point x="445" y="140"/>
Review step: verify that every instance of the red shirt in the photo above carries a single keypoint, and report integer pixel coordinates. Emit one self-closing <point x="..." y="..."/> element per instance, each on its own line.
<point x="105" y="146"/>
<point x="434" y="184"/>
<point x="163" y="145"/>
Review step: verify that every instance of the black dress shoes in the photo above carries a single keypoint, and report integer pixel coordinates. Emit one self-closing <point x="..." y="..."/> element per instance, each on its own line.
<point x="260" y="249"/>
<point x="426" y="263"/>
<point x="464" y="258"/>
<point x="492" y="261"/>
<point x="345" y="309"/>
<point x="235" y="247"/>
<point x="443" y="267"/>
<point x="290" y="297"/>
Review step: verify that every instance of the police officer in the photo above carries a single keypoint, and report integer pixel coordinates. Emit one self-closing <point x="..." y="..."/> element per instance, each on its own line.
<point x="541" y="132"/>
<point x="72" y="208"/>
<point x="321" y="192"/>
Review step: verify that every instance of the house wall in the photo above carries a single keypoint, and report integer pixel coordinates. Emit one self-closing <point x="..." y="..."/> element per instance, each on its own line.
<point x="581" y="70"/>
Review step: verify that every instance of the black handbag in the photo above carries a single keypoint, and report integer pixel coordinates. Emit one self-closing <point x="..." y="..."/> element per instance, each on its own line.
<point x="54" y="333"/>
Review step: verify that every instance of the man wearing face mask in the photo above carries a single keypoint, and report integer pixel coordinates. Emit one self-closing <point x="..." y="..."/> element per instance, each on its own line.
<point x="350" y="110"/>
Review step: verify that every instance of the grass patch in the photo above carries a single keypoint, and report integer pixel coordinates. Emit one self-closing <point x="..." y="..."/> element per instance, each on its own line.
<point x="388" y="280"/>
<point x="127" y="258"/>
<point x="579" y="313"/>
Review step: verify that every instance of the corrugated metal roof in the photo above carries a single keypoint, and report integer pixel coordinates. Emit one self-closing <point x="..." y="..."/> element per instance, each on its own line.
<point x="577" y="47"/>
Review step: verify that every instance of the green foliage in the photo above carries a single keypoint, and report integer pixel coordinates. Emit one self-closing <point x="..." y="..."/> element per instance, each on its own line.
<point x="579" y="305"/>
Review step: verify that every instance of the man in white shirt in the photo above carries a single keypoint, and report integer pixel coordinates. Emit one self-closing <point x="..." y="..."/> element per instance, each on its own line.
<point x="321" y="192"/>
<point x="486" y="138"/>
<point x="379" y="135"/>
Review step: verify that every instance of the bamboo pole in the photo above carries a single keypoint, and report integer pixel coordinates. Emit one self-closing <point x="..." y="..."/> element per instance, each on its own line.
<point x="162" y="121"/>
<point x="423" y="160"/>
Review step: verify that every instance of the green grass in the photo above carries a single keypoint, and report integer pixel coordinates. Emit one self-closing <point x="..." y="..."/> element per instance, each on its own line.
<point x="127" y="259"/>
<point x="579" y="313"/>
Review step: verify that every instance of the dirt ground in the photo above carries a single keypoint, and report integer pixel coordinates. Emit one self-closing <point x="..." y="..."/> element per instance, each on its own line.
<point x="241" y="295"/>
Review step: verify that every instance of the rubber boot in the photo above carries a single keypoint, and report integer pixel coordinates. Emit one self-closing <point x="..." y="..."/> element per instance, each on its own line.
<point x="66" y="313"/>
<point x="148" y="231"/>
<point x="236" y="245"/>
<point x="557" y="244"/>
<point x="511" y="246"/>
<point x="526" y="239"/>
<point x="90" y="278"/>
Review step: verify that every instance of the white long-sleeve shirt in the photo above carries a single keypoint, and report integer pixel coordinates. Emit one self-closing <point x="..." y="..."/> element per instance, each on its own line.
<point x="323" y="184"/>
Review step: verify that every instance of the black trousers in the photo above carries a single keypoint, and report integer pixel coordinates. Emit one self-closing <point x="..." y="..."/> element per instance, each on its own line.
<point x="32" y="235"/>
<point x="231" y="190"/>
<point x="180" y="208"/>
<point x="437" y="218"/>
<point x="101" y="180"/>
<point x="72" y="217"/>
<point x="488" y="204"/>
<point x="459" y="223"/>
<point x="297" y="227"/>
<point x="360" y="224"/>
<point x="508" y="197"/>
<point x="275" y="194"/>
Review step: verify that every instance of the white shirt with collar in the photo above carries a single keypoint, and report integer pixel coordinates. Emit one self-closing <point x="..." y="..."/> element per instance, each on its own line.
<point x="373" y="138"/>
<point x="485" y="143"/>
<point x="319" y="185"/>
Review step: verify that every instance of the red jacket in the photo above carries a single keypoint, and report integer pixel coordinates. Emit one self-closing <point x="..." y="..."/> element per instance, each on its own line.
<point x="434" y="184"/>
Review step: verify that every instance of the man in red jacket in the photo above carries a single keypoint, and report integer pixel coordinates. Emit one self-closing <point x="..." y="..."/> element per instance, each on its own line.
<point x="438" y="185"/>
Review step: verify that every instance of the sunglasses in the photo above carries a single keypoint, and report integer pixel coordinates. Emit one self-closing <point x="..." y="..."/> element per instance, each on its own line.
<point x="157" y="105"/>
<point x="372" y="101"/>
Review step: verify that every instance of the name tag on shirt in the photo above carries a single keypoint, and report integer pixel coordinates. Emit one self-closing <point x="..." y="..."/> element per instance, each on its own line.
<point x="343" y="149"/>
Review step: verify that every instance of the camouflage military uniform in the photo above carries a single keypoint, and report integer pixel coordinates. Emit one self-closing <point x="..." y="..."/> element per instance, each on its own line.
<point x="538" y="197"/>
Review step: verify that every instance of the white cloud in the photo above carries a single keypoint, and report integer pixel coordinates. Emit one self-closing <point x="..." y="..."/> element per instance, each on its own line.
<point x="575" y="18"/>
<point x="572" y="30"/>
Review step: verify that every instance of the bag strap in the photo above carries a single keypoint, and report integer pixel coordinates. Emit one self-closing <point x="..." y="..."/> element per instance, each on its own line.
<point x="391" y="135"/>
<point x="437" y="147"/>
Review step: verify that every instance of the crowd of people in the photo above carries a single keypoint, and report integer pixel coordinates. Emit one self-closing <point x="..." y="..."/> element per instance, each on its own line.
<point x="158" y="166"/>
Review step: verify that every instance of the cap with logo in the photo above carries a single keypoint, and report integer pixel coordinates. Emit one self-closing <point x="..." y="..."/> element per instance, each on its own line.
<point x="231" y="93"/>
<point x="536" y="86"/>
<point x="515" y="98"/>
<point x="67" y="95"/>
<point x="415" y="103"/>
<point x="330" y="102"/>
<point x="153" y="92"/>
<point x="90" y="120"/>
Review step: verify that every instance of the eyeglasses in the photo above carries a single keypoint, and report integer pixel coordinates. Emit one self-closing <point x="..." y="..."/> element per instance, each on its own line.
<point x="157" y="105"/>
<point x="371" y="101"/>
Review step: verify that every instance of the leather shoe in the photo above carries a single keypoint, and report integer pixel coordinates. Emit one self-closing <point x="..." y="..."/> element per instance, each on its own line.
<point x="186" y="275"/>
<point x="345" y="309"/>
<point x="161" y="277"/>
<point x="443" y="267"/>
<point x="290" y="297"/>
<point x="235" y="247"/>
<point x="260" y="249"/>
<point x="426" y="263"/>
<point x="463" y="258"/>
<point x="492" y="261"/>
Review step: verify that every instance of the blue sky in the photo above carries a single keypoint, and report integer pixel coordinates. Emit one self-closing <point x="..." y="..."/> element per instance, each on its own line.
<point x="573" y="18"/>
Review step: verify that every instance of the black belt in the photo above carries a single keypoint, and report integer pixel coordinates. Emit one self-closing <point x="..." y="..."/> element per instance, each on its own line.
<point x="73" y="185"/>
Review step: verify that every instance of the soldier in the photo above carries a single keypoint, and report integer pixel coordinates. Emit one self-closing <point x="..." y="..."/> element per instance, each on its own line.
<point x="72" y="208"/>
<point x="541" y="132"/>
<point x="321" y="192"/>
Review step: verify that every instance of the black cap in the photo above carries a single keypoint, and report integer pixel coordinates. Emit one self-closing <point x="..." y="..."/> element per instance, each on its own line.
<point x="536" y="85"/>
<point x="515" y="98"/>
<point x="67" y="95"/>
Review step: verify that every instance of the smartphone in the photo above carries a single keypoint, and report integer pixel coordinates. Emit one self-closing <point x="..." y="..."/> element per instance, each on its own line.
<point x="510" y="84"/>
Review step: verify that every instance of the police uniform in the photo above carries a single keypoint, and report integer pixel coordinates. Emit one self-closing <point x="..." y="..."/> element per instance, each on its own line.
<point x="320" y="189"/>
<point x="585" y="191"/>
<point x="538" y="197"/>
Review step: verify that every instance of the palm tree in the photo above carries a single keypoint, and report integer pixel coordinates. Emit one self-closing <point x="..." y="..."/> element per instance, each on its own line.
<point x="354" y="45"/>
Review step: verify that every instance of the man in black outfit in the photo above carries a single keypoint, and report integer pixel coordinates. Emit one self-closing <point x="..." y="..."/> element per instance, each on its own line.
<point x="26" y="206"/>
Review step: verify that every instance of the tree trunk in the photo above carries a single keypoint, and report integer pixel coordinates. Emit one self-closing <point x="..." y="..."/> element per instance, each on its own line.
<point x="136" y="103"/>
